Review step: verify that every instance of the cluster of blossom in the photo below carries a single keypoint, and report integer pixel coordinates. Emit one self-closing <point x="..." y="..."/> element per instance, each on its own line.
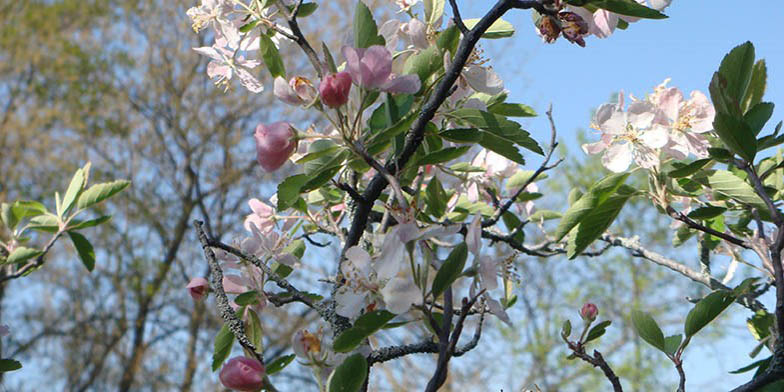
<point x="664" y="122"/>
<point x="226" y="18"/>
<point x="575" y="23"/>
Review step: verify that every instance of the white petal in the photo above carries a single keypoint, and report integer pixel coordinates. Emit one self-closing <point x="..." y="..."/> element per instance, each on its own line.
<point x="474" y="236"/>
<point x="349" y="303"/>
<point x="400" y="293"/>
<point x="359" y="259"/>
<point x="655" y="137"/>
<point x="249" y="81"/>
<point x="497" y="310"/>
<point x="488" y="272"/>
<point x="483" y="80"/>
<point x="618" y="157"/>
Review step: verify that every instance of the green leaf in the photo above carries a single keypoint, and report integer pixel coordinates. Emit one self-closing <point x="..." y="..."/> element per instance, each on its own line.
<point x="671" y="343"/>
<point x="248" y="26"/>
<point x="271" y="56"/>
<point x="758" y="116"/>
<point x="736" y="135"/>
<point x="687" y="170"/>
<point x="729" y="185"/>
<point x="501" y="147"/>
<point x="77" y="184"/>
<point x="305" y="9"/>
<point x="512" y="222"/>
<point x="736" y="68"/>
<point x="289" y="189"/>
<point x="597" y="331"/>
<point x="349" y="376"/>
<point x="424" y="64"/>
<point x="9" y="365"/>
<point x="512" y="110"/>
<point x="759" y="76"/>
<point x="544" y="215"/>
<point x="752" y="366"/>
<point x="597" y="221"/>
<point x="253" y="328"/>
<point x="223" y="341"/>
<point x="566" y="329"/>
<point x="247" y="298"/>
<point x="315" y="152"/>
<point x="443" y="155"/>
<point x="435" y="198"/>
<point x="47" y="223"/>
<point x="100" y="192"/>
<point x="21" y="254"/>
<point x="78" y="225"/>
<point x="365" y="29"/>
<point x="450" y="270"/>
<point x="328" y="57"/>
<point x="499" y="29"/>
<point x="628" y="7"/>
<point x="648" y="329"/>
<point x="760" y="324"/>
<point x="27" y="208"/>
<point x="366" y="325"/>
<point x="296" y="248"/>
<point x="434" y="10"/>
<point x="579" y="209"/>
<point x="462" y="135"/>
<point x="499" y="126"/>
<point x="7" y="216"/>
<point x="279" y="364"/>
<point x="448" y="39"/>
<point x="708" y="212"/>
<point x="706" y="310"/>
<point x="84" y="248"/>
<point x="379" y="141"/>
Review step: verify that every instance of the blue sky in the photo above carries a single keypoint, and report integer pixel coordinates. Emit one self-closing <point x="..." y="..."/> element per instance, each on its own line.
<point x="687" y="48"/>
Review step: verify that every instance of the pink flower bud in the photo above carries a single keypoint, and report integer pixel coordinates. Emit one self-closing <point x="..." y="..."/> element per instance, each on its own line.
<point x="242" y="374"/>
<point x="274" y="144"/>
<point x="334" y="89"/>
<point x="198" y="287"/>
<point x="589" y="312"/>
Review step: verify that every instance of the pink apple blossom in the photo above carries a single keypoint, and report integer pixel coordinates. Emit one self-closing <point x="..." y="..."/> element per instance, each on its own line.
<point x="263" y="216"/>
<point x="686" y="121"/>
<point x="198" y="288"/>
<point x="297" y="91"/>
<point x="242" y="374"/>
<point x="477" y="76"/>
<point x="371" y="68"/>
<point x="216" y="14"/>
<point x="589" y="312"/>
<point x="334" y="89"/>
<point x="274" y="144"/>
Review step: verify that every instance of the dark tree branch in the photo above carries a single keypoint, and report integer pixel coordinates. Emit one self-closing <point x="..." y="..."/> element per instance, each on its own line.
<point x="697" y="226"/>
<point x="297" y="36"/>
<point x="456" y="17"/>
<point x="597" y="360"/>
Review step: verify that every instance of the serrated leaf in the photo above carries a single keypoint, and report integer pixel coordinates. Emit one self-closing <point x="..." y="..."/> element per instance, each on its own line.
<point x="434" y="10"/>
<point x="628" y="7"/>
<point x="596" y="222"/>
<point x="222" y="346"/>
<point x="758" y="116"/>
<point x="597" y="331"/>
<point x="729" y="185"/>
<point x="365" y="29"/>
<point x="289" y="190"/>
<point x="424" y="64"/>
<point x="708" y="212"/>
<point x="450" y="270"/>
<point x="736" y="68"/>
<point x="736" y="135"/>
<point x="462" y="135"/>
<point x="706" y="310"/>
<point x="100" y="192"/>
<point x="9" y="365"/>
<point x="512" y="110"/>
<point x="499" y="126"/>
<point x="648" y="330"/>
<point x="757" y="85"/>
<point x="689" y="169"/>
<point x="349" y="375"/>
<point x="366" y="325"/>
<point x="499" y="29"/>
<point x="502" y="147"/>
<point x="671" y="343"/>
<point x="84" y="248"/>
<point x="443" y="155"/>
<point x="78" y="225"/>
<point x="279" y="364"/>
<point x="544" y="215"/>
<point x="78" y="181"/>
<point x="271" y="56"/>
<point x="21" y="254"/>
<point x="579" y="209"/>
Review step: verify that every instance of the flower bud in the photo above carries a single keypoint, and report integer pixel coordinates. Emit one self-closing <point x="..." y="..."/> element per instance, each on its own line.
<point x="305" y="344"/>
<point x="274" y="144"/>
<point x="242" y="374"/>
<point x="297" y="91"/>
<point x="334" y="89"/>
<point x="198" y="287"/>
<point x="548" y="28"/>
<point x="574" y="27"/>
<point x="589" y="312"/>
